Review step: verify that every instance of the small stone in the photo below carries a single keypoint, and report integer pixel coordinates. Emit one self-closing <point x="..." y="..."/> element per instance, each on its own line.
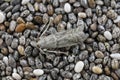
<point x="2" y="27"/>
<point x="97" y="70"/>
<point x="99" y="54"/>
<point x="84" y="3"/>
<point x="5" y="60"/>
<point x="108" y="35"/>
<point x="25" y="2"/>
<point x="117" y="19"/>
<point x="21" y="50"/>
<point x="16" y="76"/>
<point x="42" y="8"/>
<point x="93" y="26"/>
<point x="115" y="64"/>
<point x="20" y="20"/>
<point x="22" y="40"/>
<point x="82" y="15"/>
<point x="30" y="7"/>
<point x="38" y="19"/>
<point x="20" y="27"/>
<point x="12" y="25"/>
<point x="2" y="17"/>
<point x="50" y="10"/>
<point x="112" y="14"/>
<point x="30" y="25"/>
<point x="57" y="19"/>
<point x="79" y="66"/>
<point x="36" y="6"/>
<point x="38" y="72"/>
<point x="115" y="56"/>
<point x="116" y="32"/>
<point x="91" y="3"/>
<point x="67" y="7"/>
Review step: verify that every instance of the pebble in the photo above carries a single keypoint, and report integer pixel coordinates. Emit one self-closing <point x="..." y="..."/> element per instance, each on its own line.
<point x="116" y="32"/>
<point x="2" y="27"/>
<point x="12" y="25"/>
<point x="38" y="72"/>
<point x="117" y="19"/>
<point x="21" y="50"/>
<point x="108" y="35"/>
<point x="79" y="66"/>
<point x="67" y="8"/>
<point x="97" y="70"/>
<point x="57" y="19"/>
<point x="20" y="27"/>
<point x="84" y="3"/>
<point x="115" y="56"/>
<point x="99" y="54"/>
<point x="115" y="64"/>
<point x="30" y="7"/>
<point x="16" y="76"/>
<point x="91" y="3"/>
<point x="2" y="17"/>
<point x="25" y="2"/>
<point x="82" y="15"/>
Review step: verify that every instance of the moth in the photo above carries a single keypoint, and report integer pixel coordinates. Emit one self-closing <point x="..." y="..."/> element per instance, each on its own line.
<point x="61" y="39"/>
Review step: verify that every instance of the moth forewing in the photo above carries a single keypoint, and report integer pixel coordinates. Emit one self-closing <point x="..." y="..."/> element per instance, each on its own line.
<point x="63" y="39"/>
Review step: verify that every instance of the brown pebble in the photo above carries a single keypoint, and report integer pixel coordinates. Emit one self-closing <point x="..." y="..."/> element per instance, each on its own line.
<point x="20" y="27"/>
<point x="89" y="40"/>
<point x="30" y="25"/>
<point x="118" y="24"/>
<point x="57" y="19"/>
<point x="97" y="70"/>
<point x="21" y="50"/>
<point x="50" y="10"/>
<point x="7" y="23"/>
<point x="99" y="54"/>
<point x="38" y="1"/>
<point x="27" y="69"/>
<point x="45" y="18"/>
<point x="4" y="51"/>
<point x="93" y="26"/>
<point x="91" y="3"/>
<point x="20" y="20"/>
<point x="101" y="38"/>
<point x="107" y="70"/>
<point x="38" y="19"/>
<point x="115" y="64"/>
<point x="112" y="14"/>
<point x="60" y="27"/>
<point x="114" y="76"/>
<point x="2" y="27"/>
<point x="33" y="78"/>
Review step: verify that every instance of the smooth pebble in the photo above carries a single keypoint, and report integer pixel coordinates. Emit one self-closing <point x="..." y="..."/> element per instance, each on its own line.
<point x="115" y="56"/>
<point x="16" y="76"/>
<point x="67" y="7"/>
<point x="108" y="35"/>
<point x="97" y="70"/>
<point x="25" y="2"/>
<point x="2" y="17"/>
<point x="79" y="66"/>
<point x="38" y="72"/>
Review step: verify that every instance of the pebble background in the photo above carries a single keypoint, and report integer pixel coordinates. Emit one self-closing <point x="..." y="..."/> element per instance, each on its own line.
<point x="22" y="22"/>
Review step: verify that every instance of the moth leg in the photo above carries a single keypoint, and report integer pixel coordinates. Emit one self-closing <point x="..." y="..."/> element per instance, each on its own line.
<point x="47" y="26"/>
<point x="57" y="52"/>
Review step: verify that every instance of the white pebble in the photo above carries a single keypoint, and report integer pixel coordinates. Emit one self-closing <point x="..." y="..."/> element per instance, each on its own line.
<point x="108" y="35"/>
<point x="79" y="66"/>
<point x="2" y="17"/>
<point x="117" y="19"/>
<point x="16" y="76"/>
<point x="5" y="60"/>
<point x="38" y="72"/>
<point x="82" y="15"/>
<point x="67" y="7"/>
<point x="25" y="2"/>
<point x="115" y="56"/>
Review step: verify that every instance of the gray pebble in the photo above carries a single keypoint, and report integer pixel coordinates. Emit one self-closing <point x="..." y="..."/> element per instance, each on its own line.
<point x="30" y="7"/>
<point x="29" y="18"/>
<point x="4" y="6"/>
<point x="83" y="55"/>
<point x="23" y="63"/>
<point x="14" y="2"/>
<point x="48" y="65"/>
<point x="101" y="46"/>
<point x="9" y="14"/>
<point x="20" y="71"/>
<point x="25" y="13"/>
<point x="76" y="76"/>
<point x="28" y="50"/>
<point x="72" y="18"/>
<point x="94" y="77"/>
<point x="22" y="40"/>
<point x="31" y="61"/>
<point x="2" y="65"/>
<point x="66" y="74"/>
<point x="12" y="25"/>
<point x="8" y="39"/>
<point x="8" y="71"/>
<point x="55" y="3"/>
<point x="11" y="61"/>
<point x="9" y="8"/>
<point x="84" y="3"/>
<point x="9" y="78"/>
<point x="14" y="43"/>
<point x="38" y="63"/>
<point x="116" y="32"/>
<point x="42" y="8"/>
<point x="16" y="8"/>
<point x="15" y="15"/>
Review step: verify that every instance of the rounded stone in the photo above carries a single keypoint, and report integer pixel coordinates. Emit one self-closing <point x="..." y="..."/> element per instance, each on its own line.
<point x="67" y="7"/>
<point x="25" y="2"/>
<point x="97" y="70"/>
<point x="16" y="76"/>
<point x="82" y="15"/>
<point x="99" y="54"/>
<point x="79" y="66"/>
<point x="2" y="17"/>
<point x="20" y="27"/>
<point x="38" y="72"/>
<point x="108" y="35"/>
